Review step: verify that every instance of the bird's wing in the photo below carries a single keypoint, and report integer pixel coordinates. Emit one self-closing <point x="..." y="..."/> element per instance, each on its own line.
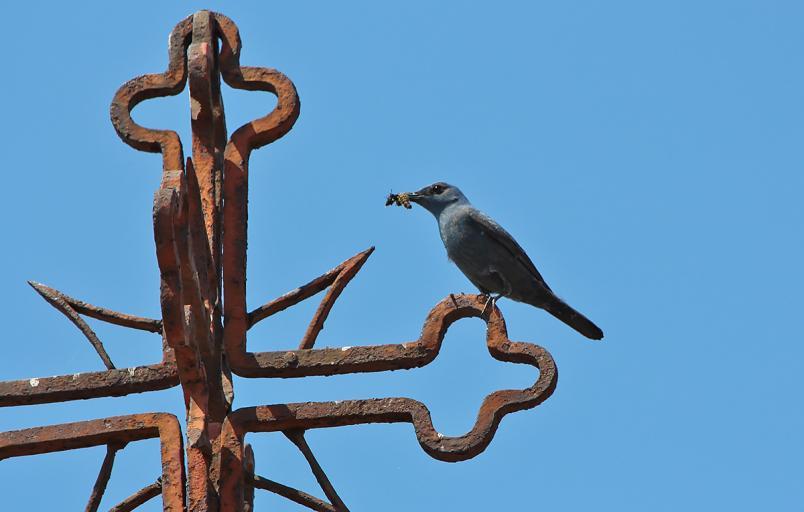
<point x="496" y="233"/>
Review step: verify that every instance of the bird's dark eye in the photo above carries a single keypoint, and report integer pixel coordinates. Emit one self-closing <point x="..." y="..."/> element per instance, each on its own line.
<point x="437" y="189"/>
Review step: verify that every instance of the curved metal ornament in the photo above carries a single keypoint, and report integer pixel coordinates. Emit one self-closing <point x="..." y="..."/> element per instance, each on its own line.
<point x="200" y="232"/>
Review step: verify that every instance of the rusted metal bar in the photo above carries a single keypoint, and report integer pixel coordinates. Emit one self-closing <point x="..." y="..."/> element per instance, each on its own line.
<point x="293" y="297"/>
<point x="348" y="268"/>
<point x="103" y="477"/>
<point x="85" y="385"/>
<point x="139" y="497"/>
<point x="55" y="299"/>
<point x="195" y="267"/>
<point x="99" y="313"/>
<point x="118" y="429"/>
<point x="82" y="386"/>
<point x="188" y="256"/>
<point x="336" y="279"/>
<point x="204" y="208"/>
<point x="144" y="87"/>
<point x="303" y="416"/>
<point x="294" y="495"/>
<point x="271" y="418"/>
<point x="182" y="313"/>
<point x="204" y="203"/>
<point x="297" y="438"/>
<point x="243" y="141"/>
<point x="248" y="484"/>
<point x="208" y="129"/>
<point x="166" y="225"/>
<point x="372" y="358"/>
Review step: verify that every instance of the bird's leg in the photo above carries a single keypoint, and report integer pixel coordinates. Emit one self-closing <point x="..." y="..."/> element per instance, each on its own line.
<point x="486" y="305"/>
<point x="492" y="298"/>
<point x="454" y="302"/>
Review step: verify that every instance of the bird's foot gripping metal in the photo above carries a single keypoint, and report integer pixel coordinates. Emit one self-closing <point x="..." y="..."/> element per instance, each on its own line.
<point x="200" y="232"/>
<point x="491" y="300"/>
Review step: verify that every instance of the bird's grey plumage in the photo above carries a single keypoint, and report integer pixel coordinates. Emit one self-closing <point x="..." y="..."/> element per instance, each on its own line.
<point x="490" y="257"/>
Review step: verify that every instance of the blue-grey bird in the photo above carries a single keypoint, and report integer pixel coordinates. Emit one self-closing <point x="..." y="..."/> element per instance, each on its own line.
<point x="492" y="260"/>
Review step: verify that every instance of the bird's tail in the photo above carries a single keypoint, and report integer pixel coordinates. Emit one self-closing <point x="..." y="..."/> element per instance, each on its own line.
<point x="561" y="310"/>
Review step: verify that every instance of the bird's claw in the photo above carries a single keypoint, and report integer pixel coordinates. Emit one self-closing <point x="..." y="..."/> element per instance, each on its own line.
<point x="491" y="300"/>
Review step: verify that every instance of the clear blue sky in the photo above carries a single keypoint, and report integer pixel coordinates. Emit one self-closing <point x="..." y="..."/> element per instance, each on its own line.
<point x="646" y="154"/>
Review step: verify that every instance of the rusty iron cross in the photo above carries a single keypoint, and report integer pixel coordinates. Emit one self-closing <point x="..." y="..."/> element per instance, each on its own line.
<point x="200" y="229"/>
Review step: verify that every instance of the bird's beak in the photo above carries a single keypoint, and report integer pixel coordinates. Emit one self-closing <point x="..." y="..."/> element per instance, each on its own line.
<point x="414" y="196"/>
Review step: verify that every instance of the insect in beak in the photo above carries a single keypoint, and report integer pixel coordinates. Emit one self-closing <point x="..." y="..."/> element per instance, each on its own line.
<point x="402" y="199"/>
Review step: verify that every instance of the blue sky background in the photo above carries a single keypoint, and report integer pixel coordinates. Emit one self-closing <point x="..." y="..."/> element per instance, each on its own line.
<point x="646" y="154"/>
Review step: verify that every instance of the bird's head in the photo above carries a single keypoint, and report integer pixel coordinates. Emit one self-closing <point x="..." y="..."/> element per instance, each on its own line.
<point x="437" y="196"/>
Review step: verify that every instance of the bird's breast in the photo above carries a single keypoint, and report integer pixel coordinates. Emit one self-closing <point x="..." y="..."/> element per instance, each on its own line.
<point x="459" y="235"/>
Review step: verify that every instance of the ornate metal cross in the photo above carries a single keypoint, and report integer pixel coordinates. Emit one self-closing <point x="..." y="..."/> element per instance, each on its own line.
<point x="200" y="229"/>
